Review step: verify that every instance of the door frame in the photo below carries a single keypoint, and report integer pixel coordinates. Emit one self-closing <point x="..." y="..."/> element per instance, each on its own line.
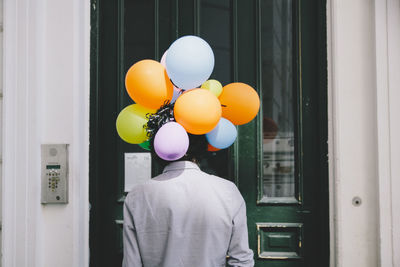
<point x="321" y="82"/>
<point x="336" y="143"/>
<point x="368" y="103"/>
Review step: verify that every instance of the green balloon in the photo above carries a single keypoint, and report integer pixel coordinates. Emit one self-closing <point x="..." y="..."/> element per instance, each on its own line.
<point x="130" y="123"/>
<point x="145" y="145"/>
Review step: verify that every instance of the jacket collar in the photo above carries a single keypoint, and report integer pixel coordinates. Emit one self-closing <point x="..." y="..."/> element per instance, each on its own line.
<point x="180" y="165"/>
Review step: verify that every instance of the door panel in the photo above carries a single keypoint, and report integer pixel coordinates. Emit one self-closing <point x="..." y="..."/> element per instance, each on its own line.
<point x="279" y="159"/>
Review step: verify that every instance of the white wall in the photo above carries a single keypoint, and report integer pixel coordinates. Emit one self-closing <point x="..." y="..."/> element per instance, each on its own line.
<point x="46" y="100"/>
<point x="363" y="63"/>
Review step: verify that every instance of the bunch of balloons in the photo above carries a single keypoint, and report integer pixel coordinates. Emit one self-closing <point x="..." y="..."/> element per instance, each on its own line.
<point x="202" y="106"/>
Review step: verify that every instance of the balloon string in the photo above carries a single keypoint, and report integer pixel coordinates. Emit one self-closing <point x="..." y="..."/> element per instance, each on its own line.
<point x="174" y="84"/>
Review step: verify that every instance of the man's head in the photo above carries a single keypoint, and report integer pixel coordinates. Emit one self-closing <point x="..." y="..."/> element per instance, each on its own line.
<point x="197" y="143"/>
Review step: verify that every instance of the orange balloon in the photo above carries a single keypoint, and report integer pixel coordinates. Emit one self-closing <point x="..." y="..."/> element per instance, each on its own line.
<point x="148" y="84"/>
<point x="198" y="111"/>
<point x="240" y="103"/>
<point x="212" y="149"/>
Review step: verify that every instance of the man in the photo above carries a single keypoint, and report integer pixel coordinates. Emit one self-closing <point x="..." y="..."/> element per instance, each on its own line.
<point x="186" y="218"/>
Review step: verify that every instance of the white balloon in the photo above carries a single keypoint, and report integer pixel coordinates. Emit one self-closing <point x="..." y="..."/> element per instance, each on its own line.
<point x="189" y="62"/>
<point x="163" y="58"/>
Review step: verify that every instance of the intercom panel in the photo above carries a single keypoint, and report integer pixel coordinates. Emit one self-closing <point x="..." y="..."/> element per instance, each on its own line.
<point x="54" y="174"/>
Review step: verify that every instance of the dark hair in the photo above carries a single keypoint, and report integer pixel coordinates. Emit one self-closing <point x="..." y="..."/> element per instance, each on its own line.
<point x="197" y="143"/>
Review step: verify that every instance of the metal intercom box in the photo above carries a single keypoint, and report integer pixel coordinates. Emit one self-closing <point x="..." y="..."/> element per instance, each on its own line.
<point x="54" y="171"/>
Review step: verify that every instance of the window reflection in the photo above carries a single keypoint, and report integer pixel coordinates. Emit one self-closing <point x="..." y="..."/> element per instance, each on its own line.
<point x="278" y="67"/>
<point x="278" y="166"/>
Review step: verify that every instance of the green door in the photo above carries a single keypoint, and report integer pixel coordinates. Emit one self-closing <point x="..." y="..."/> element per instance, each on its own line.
<point x="279" y="161"/>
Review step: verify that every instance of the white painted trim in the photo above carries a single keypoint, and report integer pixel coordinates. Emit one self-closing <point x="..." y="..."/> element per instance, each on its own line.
<point x="393" y="24"/>
<point x="9" y="81"/>
<point x="387" y="22"/>
<point x="21" y="162"/>
<point x="332" y="151"/>
<point x="363" y="70"/>
<point x="28" y="60"/>
<point x="352" y="136"/>
<point x="383" y="134"/>
<point x="81" y="28"/>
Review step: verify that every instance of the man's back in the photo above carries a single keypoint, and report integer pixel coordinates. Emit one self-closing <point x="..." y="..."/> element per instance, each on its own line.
<point x="185" y="217"/>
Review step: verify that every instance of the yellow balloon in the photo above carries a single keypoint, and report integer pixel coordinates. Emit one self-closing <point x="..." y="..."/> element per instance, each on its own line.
<point x="130" y="123"/>
<point x="213" y="86"/>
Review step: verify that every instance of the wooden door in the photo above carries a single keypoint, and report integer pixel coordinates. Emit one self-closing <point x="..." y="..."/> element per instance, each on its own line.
<point x="279" y="161"/>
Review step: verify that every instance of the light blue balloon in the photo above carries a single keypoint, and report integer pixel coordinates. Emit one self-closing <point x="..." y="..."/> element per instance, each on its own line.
<point x="189" y="62"/>
<point x="223" y="135"/>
